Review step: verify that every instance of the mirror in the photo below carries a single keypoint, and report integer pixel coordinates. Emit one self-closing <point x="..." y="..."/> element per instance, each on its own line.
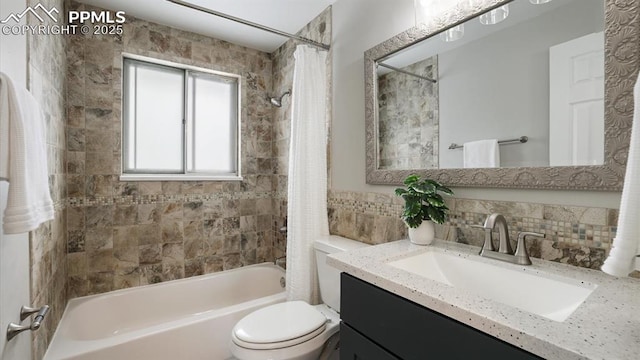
<point x="529" y="76"/>
<point x="451" y="89"/>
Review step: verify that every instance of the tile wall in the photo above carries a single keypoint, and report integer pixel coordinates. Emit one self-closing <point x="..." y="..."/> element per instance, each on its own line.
<point x="46" y="78"/>
<point x="124" y="234"/>
<point x="579" y="236"/>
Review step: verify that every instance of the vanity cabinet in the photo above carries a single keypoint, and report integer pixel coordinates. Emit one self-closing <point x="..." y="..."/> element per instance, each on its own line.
<point x="377" y="324"/>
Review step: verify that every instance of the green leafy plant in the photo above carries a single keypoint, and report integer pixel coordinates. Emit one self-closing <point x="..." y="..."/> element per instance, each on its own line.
<point x="422" y="201"/>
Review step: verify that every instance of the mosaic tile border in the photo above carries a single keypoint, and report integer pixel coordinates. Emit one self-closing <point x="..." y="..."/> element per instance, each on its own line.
<point x="366" y="207"/>
<point x="164" y="198"/>
<point x="592" y="236"/>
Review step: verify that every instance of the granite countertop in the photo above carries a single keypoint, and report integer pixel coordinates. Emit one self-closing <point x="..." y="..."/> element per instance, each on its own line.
<point x="605" y="326"/>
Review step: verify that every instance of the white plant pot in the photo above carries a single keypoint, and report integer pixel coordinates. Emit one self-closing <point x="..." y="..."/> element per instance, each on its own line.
<point x="423" y="234"/>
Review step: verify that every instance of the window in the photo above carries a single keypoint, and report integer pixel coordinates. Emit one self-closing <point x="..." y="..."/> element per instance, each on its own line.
<point x="179" y="123"/>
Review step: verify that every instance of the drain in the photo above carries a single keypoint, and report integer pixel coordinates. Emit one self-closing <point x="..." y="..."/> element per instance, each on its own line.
<point x="283" y="282"/>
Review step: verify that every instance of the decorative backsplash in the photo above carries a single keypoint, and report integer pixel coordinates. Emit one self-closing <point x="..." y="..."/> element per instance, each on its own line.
<point x="579" y="236"/>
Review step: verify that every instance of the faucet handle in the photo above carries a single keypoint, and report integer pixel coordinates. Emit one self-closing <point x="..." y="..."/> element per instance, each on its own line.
<point x="488" y="238"/>
<point x="522" y="255"/>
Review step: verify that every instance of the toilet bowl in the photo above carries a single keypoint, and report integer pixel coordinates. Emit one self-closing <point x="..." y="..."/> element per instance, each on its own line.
<point x="295" y="330"/>
<point x="285" y="331"/>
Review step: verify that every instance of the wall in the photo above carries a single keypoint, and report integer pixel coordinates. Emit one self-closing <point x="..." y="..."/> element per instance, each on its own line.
<point x="46" y="77"/>
<point x="124" y="234"/>
<point x="579" y="225"/>
<point x="358" y="26"/>
<point x="482" y="74"/>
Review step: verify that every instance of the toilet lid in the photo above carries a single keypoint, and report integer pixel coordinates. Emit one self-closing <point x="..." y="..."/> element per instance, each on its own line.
<point x="279" y="323"/>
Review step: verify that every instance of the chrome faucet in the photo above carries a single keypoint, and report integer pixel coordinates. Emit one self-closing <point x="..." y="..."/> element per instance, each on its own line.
<point x="505" y="253"/>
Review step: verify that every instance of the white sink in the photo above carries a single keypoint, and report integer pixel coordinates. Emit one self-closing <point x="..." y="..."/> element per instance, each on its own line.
<point x="550" y="296"/>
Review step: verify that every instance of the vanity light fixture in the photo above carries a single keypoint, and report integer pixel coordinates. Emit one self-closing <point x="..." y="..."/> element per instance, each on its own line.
<point x="429" y="9"/>
<point x="496" y="15"/>
<point x="421" y="11"/>
<point x="538" y="2"/>
<point x="453" y="34"/>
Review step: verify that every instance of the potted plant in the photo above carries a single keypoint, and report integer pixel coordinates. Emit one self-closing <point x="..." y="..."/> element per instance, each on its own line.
<point x="423" y="206"/>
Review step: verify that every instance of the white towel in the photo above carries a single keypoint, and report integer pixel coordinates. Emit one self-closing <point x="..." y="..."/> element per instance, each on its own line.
<point x="23" y="158"/>
<point x="626" y="245"/>
<point x="481" y="154"/>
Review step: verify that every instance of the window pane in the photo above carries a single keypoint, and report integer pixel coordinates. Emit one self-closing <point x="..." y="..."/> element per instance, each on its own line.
<point x="213" y="105"/>
<point x="153" y="118"/>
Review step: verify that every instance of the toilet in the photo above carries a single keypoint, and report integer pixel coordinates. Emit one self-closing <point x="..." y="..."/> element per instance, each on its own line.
<point x="295" y="330"/>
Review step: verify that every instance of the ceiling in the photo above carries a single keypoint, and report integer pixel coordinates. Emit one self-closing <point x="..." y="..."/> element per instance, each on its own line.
<point x="285" y="15"/>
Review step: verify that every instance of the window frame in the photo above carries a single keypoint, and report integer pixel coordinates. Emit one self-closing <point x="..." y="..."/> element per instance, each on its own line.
<point x="185" y="175"/>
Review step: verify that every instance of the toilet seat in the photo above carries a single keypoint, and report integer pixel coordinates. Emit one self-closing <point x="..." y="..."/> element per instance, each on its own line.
<point x="279" y="326"/>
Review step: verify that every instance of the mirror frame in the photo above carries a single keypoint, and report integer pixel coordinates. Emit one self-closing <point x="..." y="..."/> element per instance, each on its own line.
<point x="622" y="36"/>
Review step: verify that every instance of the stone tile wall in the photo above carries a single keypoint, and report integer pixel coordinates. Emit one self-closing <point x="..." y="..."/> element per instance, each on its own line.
<point x="408" y="109"/>
<point x="579" y="236"/>
<point x="46" y="78"/>
<point x="318" y="30"/>
<point x="123" y="234"/>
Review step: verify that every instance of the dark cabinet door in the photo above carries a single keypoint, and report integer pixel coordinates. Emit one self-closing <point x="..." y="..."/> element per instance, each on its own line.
<point x="411" y="331"/>
<point x="354" y="346"/>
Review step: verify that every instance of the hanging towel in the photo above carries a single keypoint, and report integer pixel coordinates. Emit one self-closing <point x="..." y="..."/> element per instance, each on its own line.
<point x="626" y="244"/>
<point x="23" y="158"/>
<point x="307" y="218"/>
<point x="481" y="154"/>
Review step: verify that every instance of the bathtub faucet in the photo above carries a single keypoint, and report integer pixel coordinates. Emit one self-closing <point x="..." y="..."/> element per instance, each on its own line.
<point x="14" y="329"/>
<point x="275" y="262"/>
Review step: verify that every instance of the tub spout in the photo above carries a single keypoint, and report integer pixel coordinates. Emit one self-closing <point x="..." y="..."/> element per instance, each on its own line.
<point x="275" y="261"/>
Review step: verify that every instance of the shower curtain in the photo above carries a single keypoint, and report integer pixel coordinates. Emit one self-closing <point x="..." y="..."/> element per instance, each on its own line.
<point x="307" y="182"/>
<point x="626" y="245"/>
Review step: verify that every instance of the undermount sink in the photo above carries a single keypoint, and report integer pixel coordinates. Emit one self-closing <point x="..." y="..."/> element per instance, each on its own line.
<point x="550" y="296"/>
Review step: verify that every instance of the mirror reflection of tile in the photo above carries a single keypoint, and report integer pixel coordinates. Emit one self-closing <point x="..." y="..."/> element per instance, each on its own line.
<point x="408" y="117"/>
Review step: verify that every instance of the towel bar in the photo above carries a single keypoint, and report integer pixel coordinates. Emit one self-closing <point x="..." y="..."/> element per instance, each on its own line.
<point x="520" y="140"/>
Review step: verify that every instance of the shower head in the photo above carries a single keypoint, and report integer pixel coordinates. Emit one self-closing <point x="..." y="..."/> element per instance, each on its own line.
<point x="277" y="102"/>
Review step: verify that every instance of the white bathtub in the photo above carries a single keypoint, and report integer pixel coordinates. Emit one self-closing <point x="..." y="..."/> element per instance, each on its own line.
<point x="182" y="319"/>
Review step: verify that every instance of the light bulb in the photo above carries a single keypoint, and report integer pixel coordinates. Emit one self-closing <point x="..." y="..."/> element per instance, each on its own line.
<point x="495" y="16"/>
<point x="426" y="9"/>
<point x="453" y="34"/>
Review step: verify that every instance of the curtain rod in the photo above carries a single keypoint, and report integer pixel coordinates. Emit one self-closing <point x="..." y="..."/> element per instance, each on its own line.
<point x="249" y="23"/>
<point x="406" y="72"/>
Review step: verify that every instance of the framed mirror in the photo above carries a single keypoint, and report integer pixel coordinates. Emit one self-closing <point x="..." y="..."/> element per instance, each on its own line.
<point x="546" y="87"/>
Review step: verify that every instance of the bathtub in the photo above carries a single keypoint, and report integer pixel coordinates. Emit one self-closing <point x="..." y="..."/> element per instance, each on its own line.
<point x="182" y="319"/>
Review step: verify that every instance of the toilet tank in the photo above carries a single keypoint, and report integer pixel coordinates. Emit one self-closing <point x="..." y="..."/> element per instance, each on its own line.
<point x="328" y="276"/>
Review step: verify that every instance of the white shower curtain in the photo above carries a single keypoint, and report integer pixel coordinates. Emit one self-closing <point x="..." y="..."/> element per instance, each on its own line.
<point x="626" y="245"/>
<point x="307" y="183"/>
